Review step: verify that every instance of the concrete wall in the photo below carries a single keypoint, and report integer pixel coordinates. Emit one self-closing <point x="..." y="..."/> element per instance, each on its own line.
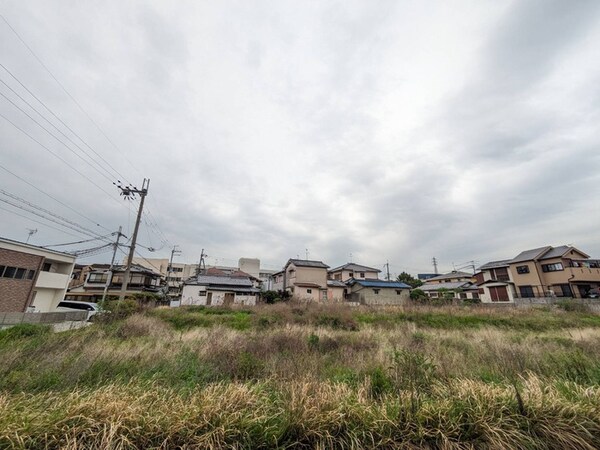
<point x="306" y="275"/>
<point x="335" y="294"/>
<point x="386" y="296"/>
<point x="302" y="293"/>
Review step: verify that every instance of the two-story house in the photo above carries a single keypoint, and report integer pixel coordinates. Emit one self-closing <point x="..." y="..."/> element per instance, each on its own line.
<point x="141" y="280"/>
<point x="495" y="283"/>
<point x="355" y="271"/>
<point x="562" y="271"/>
<point x="459" y="283"/>
<point x="305" y="279"/>
<point x="32" y="277"/>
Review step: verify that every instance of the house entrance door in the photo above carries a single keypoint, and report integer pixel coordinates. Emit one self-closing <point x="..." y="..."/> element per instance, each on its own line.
<point x="228" y="298"/>
<point x="209" y="299"/>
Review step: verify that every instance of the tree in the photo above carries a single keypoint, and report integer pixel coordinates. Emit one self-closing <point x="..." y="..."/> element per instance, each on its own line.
<point x="409" y="279"/>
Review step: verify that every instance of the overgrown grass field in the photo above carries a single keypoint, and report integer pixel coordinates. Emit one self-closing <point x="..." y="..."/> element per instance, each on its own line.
<point x="300" y="376"/>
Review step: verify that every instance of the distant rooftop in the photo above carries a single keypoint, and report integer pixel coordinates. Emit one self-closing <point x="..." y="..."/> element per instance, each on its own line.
<point x="379" y="283"/>
<point x="355" y="267"/>
<point x="495" y="264"/>
<point x="307" y="263"/>
<point x="453" y="274"/>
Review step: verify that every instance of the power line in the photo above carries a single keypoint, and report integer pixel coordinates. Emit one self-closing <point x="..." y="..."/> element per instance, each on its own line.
<point x="67" y="92"/>
<point x="60" y="120"/>
<point x="50" y="196"/>
<point x="45" y="214"/>
<point x="77" y="242"/>
<point x="57" y="156"/>
<point x="37" y="221"/>
<point x="58" y="139"/>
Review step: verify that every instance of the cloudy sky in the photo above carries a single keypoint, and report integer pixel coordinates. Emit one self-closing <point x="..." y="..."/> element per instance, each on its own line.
<point x="389" y="130"/>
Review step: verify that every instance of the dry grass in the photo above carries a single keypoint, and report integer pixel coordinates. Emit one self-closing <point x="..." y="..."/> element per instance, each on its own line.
<point x="296" y="376"/>
<point x="460" y="414"/>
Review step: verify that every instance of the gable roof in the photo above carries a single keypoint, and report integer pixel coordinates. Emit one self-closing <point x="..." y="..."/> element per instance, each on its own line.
<point x="219" y="280"/>
<point x="495" y="264"/>
<point x="356" y="268"/>
<point x="451" y="285"/>
<point x="335" y="283"/>
<point x="529" y="255"/>
<point x="379" y="284"/>
<point x="307" y="263"/>
<point x="453" y="274"/>
<point x="561" y="250"/>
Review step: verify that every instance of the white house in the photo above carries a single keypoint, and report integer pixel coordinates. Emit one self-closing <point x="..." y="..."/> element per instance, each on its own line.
<point x="214" y="290"/>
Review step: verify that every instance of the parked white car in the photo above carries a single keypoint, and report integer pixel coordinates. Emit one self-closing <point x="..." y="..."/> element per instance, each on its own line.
<point x="70" y="305"/>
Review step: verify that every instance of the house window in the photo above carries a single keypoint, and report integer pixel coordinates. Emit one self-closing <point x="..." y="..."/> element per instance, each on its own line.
<point x="97" y="278"/>
<point x="30" y="274"/>
<point x="351" y="274"/>
<point x="462" y="295"/>
<point x="475" y="295"/>
<point x="375" y="291"/>
<point x="522" y="269"/>
<point x="556" y="267"/>
<point x="526" y="291"/>
<point x="46" y="267"/>
<point x="9" y="272"/>
<point x="309" y="291"/>
<point x="20" y="274"/>
<point x="362" y="274"/>
<point x="202" y="294"/>
<point x="398" y="291"/>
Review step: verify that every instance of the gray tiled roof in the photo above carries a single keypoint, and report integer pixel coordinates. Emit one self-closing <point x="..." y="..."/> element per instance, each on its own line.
<point x="220" y="280"/>
<point x="307" y="263"/>
<point x="529" y="255"/>
<point x="453" y="274"/>
<point x="356" y="268"/>
<point x="452" y="285"/>
<point x="335" y="283"/>
<point x="556" y="252"/>
<point x="495" y="264"/>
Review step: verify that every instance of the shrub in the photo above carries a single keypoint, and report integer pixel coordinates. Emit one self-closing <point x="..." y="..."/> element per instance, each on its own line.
<point x="24" y="330"/>
<point x="117" y="309"/>
<point x="573" y="306"/>
<point x="418" y="295"/>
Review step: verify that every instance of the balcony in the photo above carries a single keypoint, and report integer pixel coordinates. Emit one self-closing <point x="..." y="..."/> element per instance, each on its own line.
<point x="51" y="280"/>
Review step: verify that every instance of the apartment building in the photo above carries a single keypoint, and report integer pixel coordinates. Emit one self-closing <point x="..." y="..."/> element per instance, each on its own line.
<point x="32" y="277"/>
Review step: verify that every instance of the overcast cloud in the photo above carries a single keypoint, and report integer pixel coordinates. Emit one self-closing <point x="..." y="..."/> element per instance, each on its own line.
<point x="389" y="130"/>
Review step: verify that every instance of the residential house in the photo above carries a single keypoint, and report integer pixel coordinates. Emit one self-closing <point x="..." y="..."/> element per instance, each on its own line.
<point x="214" y="288"/>
<point x="336" y="291"/>
<point x="32" y="277"/>
<point x="173" y="274"/>
<point x="277" y="281"/>
<point x="141" y="280"/>
<point x="495" y="283"/>
<point x="305" y="279"/>
<point x="562" y="271"/>
<point x="354" y="271"/>
<point x="378" y="292"/>
<point x="460" y="284"/>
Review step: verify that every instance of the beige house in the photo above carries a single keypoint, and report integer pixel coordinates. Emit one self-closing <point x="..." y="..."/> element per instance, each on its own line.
<point x="353" y="271"/>
<point x="305" y="279"/>
<point x="378" y="292"/>
<point x="459" y="283"/>
<point x="336" y="291"/>
<point x="562" y="271"/>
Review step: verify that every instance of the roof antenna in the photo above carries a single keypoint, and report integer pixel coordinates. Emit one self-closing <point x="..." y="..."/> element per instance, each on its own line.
<point x="31" y="233"/>
<point x="350" y="257"/>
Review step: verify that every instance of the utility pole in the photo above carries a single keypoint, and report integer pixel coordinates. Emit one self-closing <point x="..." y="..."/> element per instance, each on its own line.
<point x="170" y="268"/>
<point x="387" y="269"/>
<point x="201" y="264"/>
<point x="112" y="263"/>
<point x="306" y="254"/>
<point x="130" y="192"/>
<point x="435" y="269"/>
